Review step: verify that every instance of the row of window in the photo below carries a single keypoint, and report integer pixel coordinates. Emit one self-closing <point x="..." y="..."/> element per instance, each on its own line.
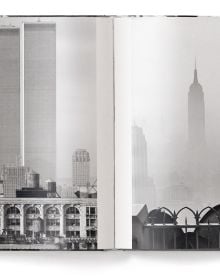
<point x="52" y="210"/>
<point x="52" y="222"/>
<point x="55" y="222"/>
<point x="56" y="233"/>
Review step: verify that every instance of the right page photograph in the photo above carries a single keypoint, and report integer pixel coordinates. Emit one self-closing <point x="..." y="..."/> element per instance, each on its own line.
<point x="175" y="133"/>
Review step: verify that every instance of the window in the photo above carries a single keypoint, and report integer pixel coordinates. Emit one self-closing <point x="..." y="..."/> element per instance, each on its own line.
<point x="12" y="210"/>
<point x="53" y="222"/>
<point x="72" y="222"/>
<point x="73" y="233"/>
<point x="91" y="233"/>
<point x="91" y="216"/>
<point x="72" y="210"/>
<point x="52" y="233"/>
<point x="13" y="232"/>
<point x="90" y="210"/>
<point x="13" y="222"/>
<point x="33" y="210"/>
<point x="28" y="222"/>
<point x="90" y="222"/>
<point x="53" y="210"/>
<point x="29" y="233"/>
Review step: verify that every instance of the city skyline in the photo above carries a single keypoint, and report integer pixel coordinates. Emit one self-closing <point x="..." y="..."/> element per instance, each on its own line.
<point x="29" y="138"/>
<point x="14" y="177"/>
<point x="175" y="100"/>
<point x="194" y="179"/>
<point x="160" y="86"/>
<point x="42" y="87"/>
<point x="73" y="97"/>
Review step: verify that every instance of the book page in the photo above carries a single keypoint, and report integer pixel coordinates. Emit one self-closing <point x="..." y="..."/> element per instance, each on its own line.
<point x="123" y="163"/>
<point x="105" y="131"/>
<point x="56" y="142"/>
<point x="172" y="76"/>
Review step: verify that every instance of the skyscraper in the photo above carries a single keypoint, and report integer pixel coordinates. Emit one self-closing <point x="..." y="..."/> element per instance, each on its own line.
<point x="196" y="113"/>
<point x="197" y="150"/>
<point x="143" y="190"/>
<point x="39" y="133"/>
<point x="14" y="178"/>
<point x="81" y="168"/>
<point x="9" y="95"/>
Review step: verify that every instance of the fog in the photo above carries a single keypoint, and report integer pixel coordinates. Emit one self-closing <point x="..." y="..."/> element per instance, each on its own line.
<point x="163" y="62"/>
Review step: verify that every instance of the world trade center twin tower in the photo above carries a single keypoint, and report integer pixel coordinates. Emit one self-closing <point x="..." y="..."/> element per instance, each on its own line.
<point x="28" y="97"/>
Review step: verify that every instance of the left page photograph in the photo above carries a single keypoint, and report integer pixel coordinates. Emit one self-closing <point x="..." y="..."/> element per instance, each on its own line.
<point x="48" y="139"/>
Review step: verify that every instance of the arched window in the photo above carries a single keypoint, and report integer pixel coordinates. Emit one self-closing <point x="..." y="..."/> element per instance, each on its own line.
<point x="13" y="220"/>
<point x="52" y="222"/>
<point x="72" y="222"/>
<point x="53" y="210"/>
<point x="32" y="210"/>
<point x="12" y="210"/>
<point x="72" y="210"/>
<point x="31" y="217"/>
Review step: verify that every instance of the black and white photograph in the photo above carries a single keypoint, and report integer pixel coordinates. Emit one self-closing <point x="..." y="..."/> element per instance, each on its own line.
<point x="110" y="139"/>
<point x="175" y="133"/>
<point x="48" y="178"/>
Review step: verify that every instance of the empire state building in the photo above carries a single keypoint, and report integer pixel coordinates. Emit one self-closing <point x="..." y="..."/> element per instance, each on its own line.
<point x="196" y="114"/>
<point x="197" y="150"/>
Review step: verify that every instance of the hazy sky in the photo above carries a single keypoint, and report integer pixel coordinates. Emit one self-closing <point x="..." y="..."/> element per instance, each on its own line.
<point x="164" y="51"/>
<point x="76" y="88"/>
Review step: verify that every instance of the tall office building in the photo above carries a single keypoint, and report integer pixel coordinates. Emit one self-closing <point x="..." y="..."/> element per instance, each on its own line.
<point x="9" y="95"/>
<point x="14" y="178"/>
<point x="197" y="149"/>
<point x="143" y="190"/>
<point x="39" y="134"/>
<point x="81" y="168"/>
<point x="196" y="113"/>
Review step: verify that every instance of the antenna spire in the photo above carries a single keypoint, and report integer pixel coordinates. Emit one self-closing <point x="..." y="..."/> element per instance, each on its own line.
<point x="195" y="73"/>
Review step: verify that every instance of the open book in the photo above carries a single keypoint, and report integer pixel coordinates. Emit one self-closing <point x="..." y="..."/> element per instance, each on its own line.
<point x="109" y="133"/>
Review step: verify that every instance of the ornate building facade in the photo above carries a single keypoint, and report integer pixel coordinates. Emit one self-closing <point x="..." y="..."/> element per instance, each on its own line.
<point x="43" y="220"/>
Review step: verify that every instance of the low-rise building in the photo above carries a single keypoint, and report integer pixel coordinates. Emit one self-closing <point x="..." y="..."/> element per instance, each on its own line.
<point x="42" y="219"/>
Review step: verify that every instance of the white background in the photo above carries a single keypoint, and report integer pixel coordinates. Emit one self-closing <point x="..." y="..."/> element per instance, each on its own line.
<point x="110" y="265"/>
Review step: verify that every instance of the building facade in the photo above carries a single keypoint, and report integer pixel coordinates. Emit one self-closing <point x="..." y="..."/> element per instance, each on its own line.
<point x="14" y="178"/>
<point x="81" y="168"/>
<point x="35" y="218"/>
<point x="9" y="95"/>
<point x="40" y="98"/>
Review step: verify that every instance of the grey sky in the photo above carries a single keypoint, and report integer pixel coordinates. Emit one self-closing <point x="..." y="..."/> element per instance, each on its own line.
<point x="76" y="88"/>
<point x="164" y="51"/>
